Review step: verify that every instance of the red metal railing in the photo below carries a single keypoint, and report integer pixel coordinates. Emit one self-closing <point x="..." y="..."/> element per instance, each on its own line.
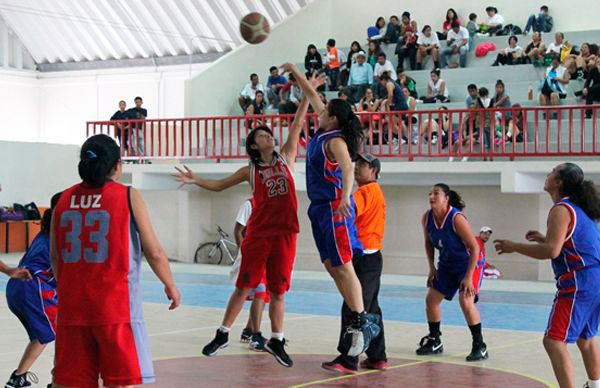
<point x="505" y="132"/>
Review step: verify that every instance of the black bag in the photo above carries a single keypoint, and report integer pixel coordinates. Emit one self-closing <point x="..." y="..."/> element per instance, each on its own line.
<point x="510" y="30"/>
<point x="30" y="211"/>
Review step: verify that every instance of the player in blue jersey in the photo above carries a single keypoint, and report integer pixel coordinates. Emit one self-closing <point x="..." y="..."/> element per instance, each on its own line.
<point x="446" y="229"/>
<point x="572" y="242"/>
<point x="34" y="302"/>
<point x="329" y="180"/>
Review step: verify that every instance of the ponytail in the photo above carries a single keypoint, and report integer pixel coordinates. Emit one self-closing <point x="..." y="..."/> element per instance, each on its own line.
<point x="349" y="123"/>
<point x="581" y="192"/>
<point x="98" y="157"/>
<point x="454" y="199"/>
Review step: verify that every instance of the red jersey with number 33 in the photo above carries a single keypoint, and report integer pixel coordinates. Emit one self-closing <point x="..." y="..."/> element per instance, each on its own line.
<point x="274" y="201"/>
<point x="99" y="256"/>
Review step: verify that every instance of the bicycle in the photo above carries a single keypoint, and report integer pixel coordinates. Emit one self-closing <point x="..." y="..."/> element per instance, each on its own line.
<point x="212" y="252"/>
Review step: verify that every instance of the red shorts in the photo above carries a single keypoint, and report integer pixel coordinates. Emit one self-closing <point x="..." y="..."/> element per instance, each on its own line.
<point x="276" y="254"/>
<point x="119" y="354"/>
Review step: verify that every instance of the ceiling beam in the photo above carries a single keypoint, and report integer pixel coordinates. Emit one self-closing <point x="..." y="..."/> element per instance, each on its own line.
<point x="77" y="51"/>
<point x="155" y="50"/>
<point x="153" y="28"/>
<point x="21" y="25"/>
<point x="204" y="28"/>
<point x="206" y="8"/>
<point x="131" y="41"/>
<point x="172" y="32"/>
<point x="175" y="12"/>
<point x="81" y="30"/>
<point x="116" y="40"/>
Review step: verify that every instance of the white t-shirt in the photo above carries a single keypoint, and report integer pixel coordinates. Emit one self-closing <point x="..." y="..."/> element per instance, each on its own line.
<point x="435" y="87"/>
<point x="553" y="48"/>
<point x="387" y="66"/>
<point x="242" y="218"/>
<point x="248" y="91"/>
<point x="515" y="49"/>
<point x="431" y="40"/>
<point x="458" y="38"/>
<point x="496" y="19"/>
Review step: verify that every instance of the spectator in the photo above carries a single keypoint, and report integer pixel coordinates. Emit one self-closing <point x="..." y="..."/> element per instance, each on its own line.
<point x="369" y="104"/>
<point x="578" y="65"/>
<point x="383" y="65"/>
<point x="407" y="45"/>
<point x="380" y="24"/>
<point x="333" y="63"/>
<point x="312" y="60"/>
<point x="343" y="95"/>
<point x="553" y="87"/>
<point x="428" y="44"/>
<point x="543" y="22"/>
<point x="501" y="100"/>
<point x="395" y="101"/>
<point x="290" y="96"/>
<point x="511" y="55"/>
<point x="122" y="129"/>
<point x="393" y="30"/>
<point x="534" y="51"/>
<point x="516" y="124"/>
<point x="410" y="119"/>
<point x="274" y="84"/>
<point x="472" y="95"/>
<point x="436" y="89"/>
<point x="472" y="27"/>
<point x="483" y="101"/>
<point x="138" y="113"/>
<point x="256" y="107"/>
<point x="591" y="88"/>
<point x="451" y="17"/>
<point x="468" y="119"/>
<point x="458" y="43"/>
<point x="345" y="73"/>
<point x="249" y="91"/>
<point x="361" y="76"/>
<point x="373" y="53"/>
<point x="432" y="129"/>
<point x="555" y="47"/>
<point x="494" y="22"/>
<point x="406" y="82"/>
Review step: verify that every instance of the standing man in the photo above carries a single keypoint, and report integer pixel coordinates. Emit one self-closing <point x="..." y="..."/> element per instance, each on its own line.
<point x="370" y="224"/>
<point x="121" y="129"/>
<point x="137" y="113"/>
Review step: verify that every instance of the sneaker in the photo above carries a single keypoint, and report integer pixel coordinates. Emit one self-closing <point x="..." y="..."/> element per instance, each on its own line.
<point x="465" y="159"/>
<point x="361" y="336"/>
<point x="277" y="349"/>
<point x="257" y="342"/>
<point x="378" y="365"/>
<point x="430" y="345"/>
<point x="221" y="341"/>
<point x="478" y="352"/>
<point x="24" y="380"/>
<point x="451" y="159"/>
<point x="246" y="335"/>
<point x="337" y="366"/>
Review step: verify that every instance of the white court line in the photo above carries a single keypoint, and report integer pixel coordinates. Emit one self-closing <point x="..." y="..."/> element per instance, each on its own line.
<point x="235" y="325"/>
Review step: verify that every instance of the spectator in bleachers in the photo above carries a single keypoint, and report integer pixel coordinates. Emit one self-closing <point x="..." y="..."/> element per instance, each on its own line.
<point x="472" y="95"/>
<point x="249" y="91"/>
<point x="380" y="24"/>
<point x="458" y="43"/>
<point x="556" y="46"/>
<point x="312" y="60"/>
<point x="470" y="103"/>
<point x="137" y="113"/>
<point x="428" y="44"/>
<point x="534" y="51"/>
<point x="361" y="77"/>
<point x="436" y="89"/>
<point x="406" y="82"/>
<point x="394" y="102"/>
<point x="578" y="65"/>
<point x="494" y="22"/>
<point x="122" y="129"/>
<point x="407" y="44"/>
<point x="333" y="62"/>
<point x="290" y="96"/>
<point x="472" y="27"/>
<point x="591" y="88"/>
<point x="369" y="103"/>
<point x="392" y="31"/>
<point x="511" y="55"/>
<point x="554" y="86"/>
<point x="501" y="100"/>
<point x="516" y="124"/>
<point x="436" y="127"/>
<point x="343" y="95"/>
<point x="483" y="101"/>
<point x="373" y="52"/>
<point x="542" y="22"/>
<point x="451" y="17"/>
<point x="274" y="84"/>
<point x="383" y="65"/>
<point x="256" y="107"/>
<point x="345" y="73"/>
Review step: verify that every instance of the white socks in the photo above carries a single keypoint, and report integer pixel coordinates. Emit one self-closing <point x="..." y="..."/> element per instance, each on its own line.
<point x="224" y="329"/>
<point x="593" y="383"/>
<point x="277" y="336"/>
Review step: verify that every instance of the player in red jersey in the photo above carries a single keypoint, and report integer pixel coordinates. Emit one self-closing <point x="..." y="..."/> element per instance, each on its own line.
<point x="270" y="240"/>
<point x="99" y="230"/>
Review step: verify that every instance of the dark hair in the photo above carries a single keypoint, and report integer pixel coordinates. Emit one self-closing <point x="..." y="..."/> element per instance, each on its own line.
<point x="292" y="77"/>
<point x="385" y="76"/>
<point x="378" y="20"/>
<point x="425" y="28"/>
<point x="483" y="92"/>
<point x="471" y="87"/>
<point x="454" y="12"/>
<point x="454" y="199"/>
<point x="544" y="8"/>
<point x="406" y="13"/>
<point x="138" y="98"/>
<point x="349" y="123"/>
<point x="342" y="92"/>
<point x="358" y="44"/>
<point x="311" y="46"/>
<point x="499" y="82"/>
<point x="472" y="16"/>
<point x="394" y="17"/>
<point x="488" y="9"/>
<point x="272" y="68"/>
<point x="581" y="192"/>
<point x="436" y="71"/>
<point x="513" y="37"/>
<point x="331" y="42"/>
<point x="593" y="49"/>
<point x="98" y="157"/>
<point x="455" y="24"/>
<point x="381" y="54"/>
<point x="46" y="222"/>
<point x="259" y="92"/>
<point x="123" y="101"/>
<point x="253" y="75"/>
<point x="254" y="154"/>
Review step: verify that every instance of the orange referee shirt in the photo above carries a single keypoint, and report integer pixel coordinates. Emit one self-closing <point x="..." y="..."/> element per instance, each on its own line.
<point x="370" y="215"/>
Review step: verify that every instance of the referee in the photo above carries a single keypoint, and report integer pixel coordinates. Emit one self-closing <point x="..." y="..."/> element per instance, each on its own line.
<point x="370" y="223"/>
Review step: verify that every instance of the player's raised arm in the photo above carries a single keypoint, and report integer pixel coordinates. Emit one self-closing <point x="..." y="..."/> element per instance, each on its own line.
<point x="310" y="92"/>
<point x="186" y="177"/>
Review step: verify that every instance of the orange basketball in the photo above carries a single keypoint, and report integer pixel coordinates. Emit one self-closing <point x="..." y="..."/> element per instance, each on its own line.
<point x="254" y="28"/>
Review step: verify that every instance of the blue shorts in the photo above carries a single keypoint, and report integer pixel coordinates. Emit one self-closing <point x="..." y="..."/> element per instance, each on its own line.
<point x="334" y="235"/>
<point x="448" y="281"/>
<point x="34" y="302"/>
<point x="576" y="310"/>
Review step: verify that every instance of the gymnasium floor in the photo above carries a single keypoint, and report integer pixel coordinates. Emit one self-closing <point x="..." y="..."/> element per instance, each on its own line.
<point x="513" y="314"/>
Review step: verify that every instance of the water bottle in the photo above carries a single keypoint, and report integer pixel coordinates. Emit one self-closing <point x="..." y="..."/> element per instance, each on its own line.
<point x="530" y="92"/>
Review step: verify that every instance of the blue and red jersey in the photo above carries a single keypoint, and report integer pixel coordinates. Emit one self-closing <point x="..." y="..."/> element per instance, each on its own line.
<point x="37" y="259"/>
<point x="323" y="177"/>
<point x="453" y="253"/>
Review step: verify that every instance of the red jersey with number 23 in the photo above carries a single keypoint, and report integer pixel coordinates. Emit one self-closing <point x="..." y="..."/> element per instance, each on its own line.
<point x="99" y="256"/>
<point x="274" y="201"/>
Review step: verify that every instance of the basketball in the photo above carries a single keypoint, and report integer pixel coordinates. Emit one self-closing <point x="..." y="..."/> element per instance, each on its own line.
<point x="254" y="28"/>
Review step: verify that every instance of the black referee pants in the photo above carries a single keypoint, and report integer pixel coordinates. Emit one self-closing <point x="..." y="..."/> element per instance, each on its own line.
<point x="368" y="269"/>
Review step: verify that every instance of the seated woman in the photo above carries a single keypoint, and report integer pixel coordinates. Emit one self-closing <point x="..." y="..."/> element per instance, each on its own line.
<point x="579" y="65"/>
<point x="435" y="126"/>
<point x="534" y="51"/>
<point x="451" y="16"/>
<point x="510" y="55"/>
<point x="256" y="107"/>
<point x="370" y="104"/>
<point x="436" y="89"/>
<point x="406" y="82"/>
<point x="516" y="125"/>
<point x="554" y="86"/>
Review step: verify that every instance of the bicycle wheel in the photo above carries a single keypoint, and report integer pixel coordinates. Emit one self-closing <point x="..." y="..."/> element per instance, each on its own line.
<point x="208" y="253"/>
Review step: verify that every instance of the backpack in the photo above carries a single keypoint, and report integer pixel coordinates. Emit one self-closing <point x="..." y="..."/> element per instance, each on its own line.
<point x="7" y="214"/>
<point x="510" y="30"/>
<point x="32" y="212"/>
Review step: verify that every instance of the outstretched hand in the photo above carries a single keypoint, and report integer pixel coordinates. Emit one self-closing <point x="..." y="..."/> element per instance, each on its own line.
<point x="535" y="236"/>
<point x="504" y="246"/>
<point x="184" y="177"/>
<point x="288" y="67"/>
<point x="317" y="80"/>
